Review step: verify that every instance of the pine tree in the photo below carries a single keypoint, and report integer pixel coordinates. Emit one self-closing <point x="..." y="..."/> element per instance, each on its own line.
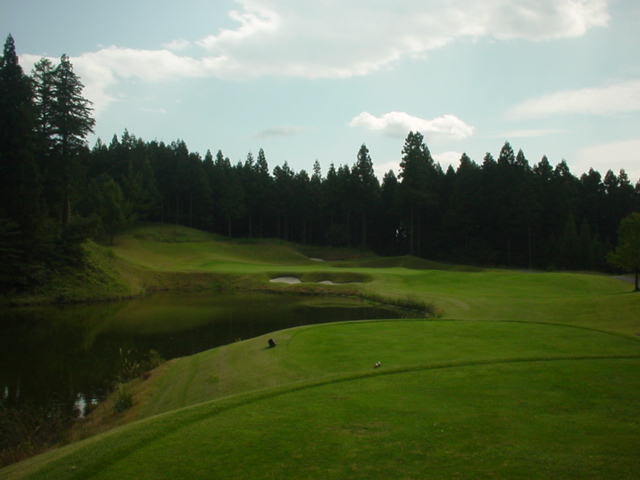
<point x="17" y="175"/>
<point x="20" y="189"/>
<point x="71" y="122"/>
<point x="419" y="188"/>
<point x="263" y="192"/>
<point x="44" y="96"/>
<point x="463" y="213"/>
<point x="627" y="254"/>
<point x="390" y="235"/>
<point x="365" y="194"/>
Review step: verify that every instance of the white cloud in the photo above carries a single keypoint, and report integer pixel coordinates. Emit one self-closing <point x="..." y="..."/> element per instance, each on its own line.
<point x="100" y="71"/>
<point x="619" y="98"/>
<point x="255" y="20"/>
<point x="611" y="156"/>
<point x="177" y="45"/>
<point x="398" y="124"/>
<point x="447" y="158"/>
<point x="544" y="20"/>
<point x="335" y="39"/>
<point x="542" y="132"/>
<point x="381" y="169"/>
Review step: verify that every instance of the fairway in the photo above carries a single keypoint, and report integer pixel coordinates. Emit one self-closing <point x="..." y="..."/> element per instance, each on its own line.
<point x="267" y="239"/>
<point x="522" y="375"/>
<point x="520" y="420"/>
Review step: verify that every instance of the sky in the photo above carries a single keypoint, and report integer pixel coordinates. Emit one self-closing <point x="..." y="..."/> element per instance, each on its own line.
<point x="313" y="80"/>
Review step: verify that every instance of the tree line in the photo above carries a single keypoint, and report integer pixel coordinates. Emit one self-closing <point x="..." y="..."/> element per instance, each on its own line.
<point x="56" y="192"/>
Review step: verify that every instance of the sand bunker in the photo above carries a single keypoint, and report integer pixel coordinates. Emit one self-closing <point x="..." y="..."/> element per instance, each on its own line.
<point x="315" y="259"/>
<point x="289" y="280"/>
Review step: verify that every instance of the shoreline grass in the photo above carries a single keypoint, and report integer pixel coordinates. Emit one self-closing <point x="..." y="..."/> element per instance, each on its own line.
<point x="514" y="374"/>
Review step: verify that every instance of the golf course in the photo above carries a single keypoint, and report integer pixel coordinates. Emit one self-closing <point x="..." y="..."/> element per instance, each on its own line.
<point x="490" y="373"/>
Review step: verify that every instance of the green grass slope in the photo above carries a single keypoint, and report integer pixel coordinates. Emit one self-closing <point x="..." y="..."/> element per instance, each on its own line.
<point x="176" y="248"/>
<point x="593" y="300"/>
<point x="452" y="398"/>
<point x="525" y="375"/>
<point x="317" y="351"/>
<point x="159" y="257"/>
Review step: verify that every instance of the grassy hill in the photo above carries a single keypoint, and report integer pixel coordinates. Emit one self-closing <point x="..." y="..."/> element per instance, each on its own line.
<point x="523" y="375"/>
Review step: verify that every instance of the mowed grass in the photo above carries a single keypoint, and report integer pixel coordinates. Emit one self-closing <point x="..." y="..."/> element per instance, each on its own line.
<point x="524" y="375"/>
<point x="458" y="292"/>
<point x="452" y="398"/>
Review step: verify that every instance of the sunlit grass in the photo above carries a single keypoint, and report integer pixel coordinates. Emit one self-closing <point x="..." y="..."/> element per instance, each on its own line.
<point x="523" y="375"/>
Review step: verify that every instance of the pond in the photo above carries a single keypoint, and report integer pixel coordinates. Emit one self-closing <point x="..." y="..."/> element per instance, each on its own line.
<point x="64" y="359"/>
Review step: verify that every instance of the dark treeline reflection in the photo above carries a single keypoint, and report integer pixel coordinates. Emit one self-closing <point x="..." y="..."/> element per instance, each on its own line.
<point x="53" y="354"/>
<point x="55" y="361"/>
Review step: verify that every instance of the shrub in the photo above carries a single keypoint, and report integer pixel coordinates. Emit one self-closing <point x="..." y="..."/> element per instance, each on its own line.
<point x="124" y="399"/>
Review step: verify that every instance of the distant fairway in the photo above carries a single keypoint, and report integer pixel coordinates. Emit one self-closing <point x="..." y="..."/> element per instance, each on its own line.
<point x="524" y="375"/>
<point x="592" y="300"/>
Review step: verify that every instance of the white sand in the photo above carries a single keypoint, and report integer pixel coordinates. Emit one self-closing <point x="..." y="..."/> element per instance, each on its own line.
<point x="289" y="280"/>
<point x="316" y="259"/>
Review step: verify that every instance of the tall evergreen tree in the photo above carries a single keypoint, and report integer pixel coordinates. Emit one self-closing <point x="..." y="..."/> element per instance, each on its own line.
<point x="19" y="180"/>
<point x="390" y="235"/>
<point x="366" y="191"/>
<point x="262" y="193"/>
<point x="462" y="218"/>
<point x="71" y="122"/>
<point x="418" y="176"/>
<point x="627" y="254"/>
<point x="44" y="96"/>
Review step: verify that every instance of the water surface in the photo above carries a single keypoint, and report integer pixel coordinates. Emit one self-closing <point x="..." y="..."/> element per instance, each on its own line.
<point x="65" y="358"/>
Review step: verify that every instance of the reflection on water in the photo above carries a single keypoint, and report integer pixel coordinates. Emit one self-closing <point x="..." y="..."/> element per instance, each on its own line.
<point x="68" y="358"/>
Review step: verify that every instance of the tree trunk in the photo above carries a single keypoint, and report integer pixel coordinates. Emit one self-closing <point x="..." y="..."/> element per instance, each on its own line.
<point x="637" y="289"/>
<point x="364" y="229"/>
<point x="229" y="226"/>
<point x="411" y="233"/>
<point x="304" y="231"/>
<point x="530" y="247"/>
<point x="66" y="208"/>
<point x="418" y="244"/>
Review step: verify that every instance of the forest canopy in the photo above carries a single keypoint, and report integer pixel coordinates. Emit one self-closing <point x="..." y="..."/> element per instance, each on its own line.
<point x="56" y="192"/>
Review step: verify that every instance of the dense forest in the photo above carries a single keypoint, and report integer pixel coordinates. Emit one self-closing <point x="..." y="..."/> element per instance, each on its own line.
<point x="56" y="192"/>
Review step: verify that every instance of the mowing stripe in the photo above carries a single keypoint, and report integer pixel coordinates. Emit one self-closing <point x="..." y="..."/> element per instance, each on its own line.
<point x="134" y="438"/>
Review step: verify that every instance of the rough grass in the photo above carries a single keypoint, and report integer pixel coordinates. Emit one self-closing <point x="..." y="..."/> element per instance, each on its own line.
<point x="525" y="375"/>
<point x="407" y="261"/>
<point x="103" y="276"/>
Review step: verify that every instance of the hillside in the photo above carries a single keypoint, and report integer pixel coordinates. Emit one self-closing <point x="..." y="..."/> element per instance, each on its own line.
<point x="522" y="375"/>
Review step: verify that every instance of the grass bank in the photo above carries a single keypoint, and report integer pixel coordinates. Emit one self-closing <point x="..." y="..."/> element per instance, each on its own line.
<point x="452" y="398"/>
<point x="523" y="375"/>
